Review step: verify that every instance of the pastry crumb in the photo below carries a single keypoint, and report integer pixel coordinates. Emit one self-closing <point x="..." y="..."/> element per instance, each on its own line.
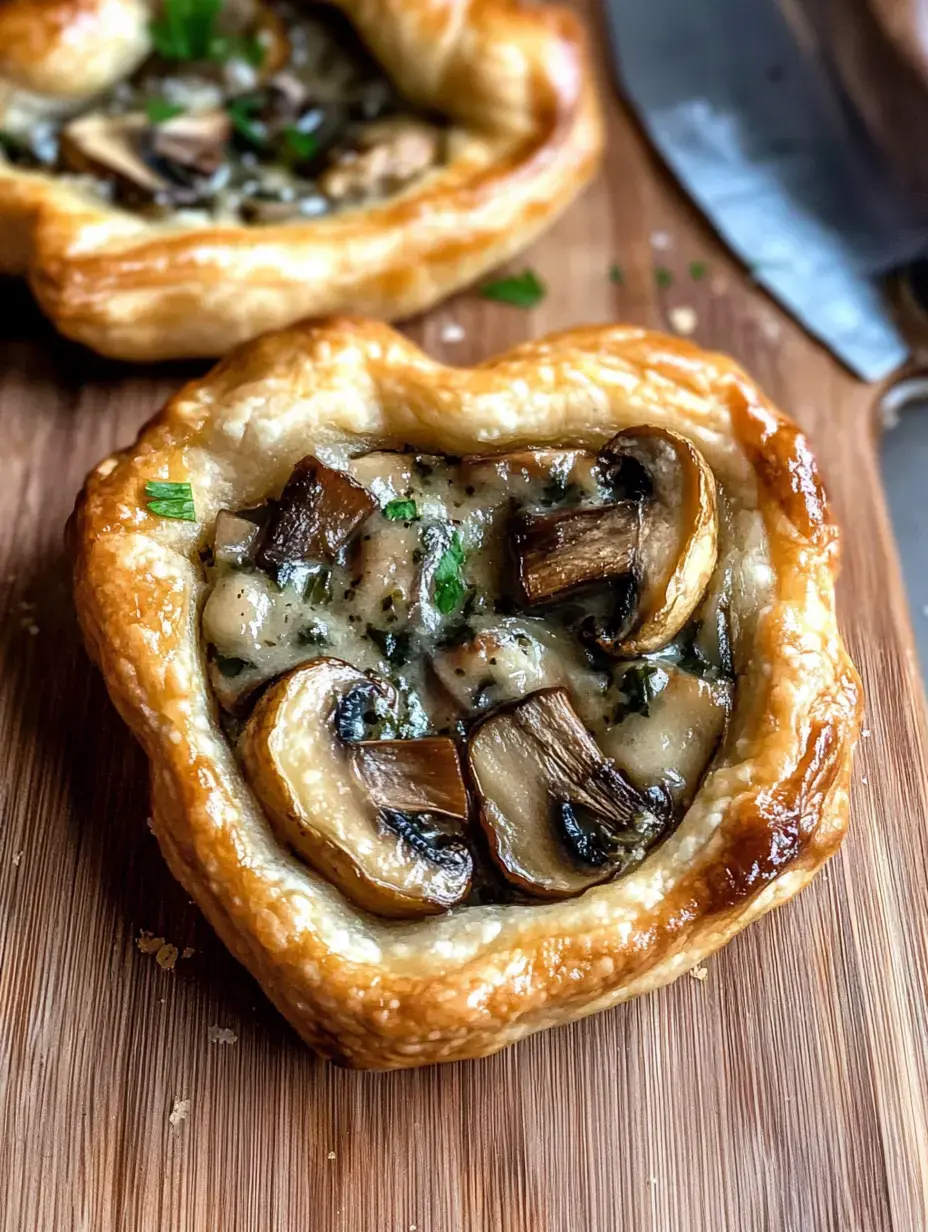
<point x="661" y="240"/>
<point x="188" y="951"/>
<point x="166" y="957"/>
<point x="222" y="1035"/>
<point x="179" y="1112"/>
<point x="452" y="332"/>
<point x="699" y="972"/>
<point x="866" y="733"/>
<point x="17" y="857"/>
<point x="863" y="779"/>
<point x="683" y="319"/>
<point x="148" y="943"/>
<point x="331" y="1155"/>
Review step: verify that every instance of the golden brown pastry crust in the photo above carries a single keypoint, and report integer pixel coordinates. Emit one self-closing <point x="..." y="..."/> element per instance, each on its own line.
<point x="771" y="809"/>
<point x="515" y="81"/>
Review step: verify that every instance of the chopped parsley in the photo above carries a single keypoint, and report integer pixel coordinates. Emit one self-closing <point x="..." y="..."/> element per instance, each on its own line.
<point x="641" y="683"/>
<point x="698" y="270"/>
<point x="186" y="29"/>
<point x="400" y="510"/>
<point x="523" y="290"/>
<point x="241" y="113"/>
<point x="663" y="277"/>
<point x="301" y="146"/>
<point x="616" y="275"/>
<point x="393" y="646"/>
<point x="449" y="588"/>
<point x="159" y="109"/>
<point x="170" y="500"/>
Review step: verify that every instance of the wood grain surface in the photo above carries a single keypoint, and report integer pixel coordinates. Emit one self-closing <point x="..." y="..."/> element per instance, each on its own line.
<point x="787" y="1090"/>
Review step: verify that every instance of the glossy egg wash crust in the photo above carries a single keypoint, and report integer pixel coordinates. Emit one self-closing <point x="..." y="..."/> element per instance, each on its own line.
<point x="177" y="177"/>
<point x="476" y="700"/>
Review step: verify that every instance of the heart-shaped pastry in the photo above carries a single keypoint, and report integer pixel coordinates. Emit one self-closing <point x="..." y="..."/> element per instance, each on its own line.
<point x="476" y="700"/>
<point x="179" y="176"/>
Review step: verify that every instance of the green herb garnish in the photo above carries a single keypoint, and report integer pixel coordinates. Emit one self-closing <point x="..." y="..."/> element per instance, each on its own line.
<point x="170" y="500"/>
<point x="523" y="290"/>
<point x="640" y="685"/>
<point x="237" y="47"/>
<point x="241" y="112"/>
<point x="299" y="145"/>
<point x="393" y="646"/>
<point x="186" y="29"/>
<point x="312" y="635"/>
<point x="663" y="277"/>
<point x="159" y="109"/>
<point x="698" y="270"/>
<point x="616" y="275"/>
<point x="230" y="667"/>
<point x="449" y="588"/>
<point x="400" y="510"/>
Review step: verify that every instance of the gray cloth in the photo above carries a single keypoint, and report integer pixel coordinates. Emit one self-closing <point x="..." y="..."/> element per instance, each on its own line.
<point x="752" y="124"/>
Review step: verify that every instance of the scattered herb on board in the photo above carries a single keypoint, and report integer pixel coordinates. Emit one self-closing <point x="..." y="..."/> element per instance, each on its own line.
<point x="159" y="109"/>
<point x="663" y="277"/>
<point x="300" y="146"/>
<point x="698" y="270"/>
<point x="523" y="290"/>
<point x="449" y="588"/>
<point x="401" y="510"/>
<point x="170" y="500"/>
<point x="616" y="275"/>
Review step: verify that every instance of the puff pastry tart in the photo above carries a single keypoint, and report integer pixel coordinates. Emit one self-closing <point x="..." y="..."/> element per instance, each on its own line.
<point x="476" y="700"/>
<point x="182" y="175"/>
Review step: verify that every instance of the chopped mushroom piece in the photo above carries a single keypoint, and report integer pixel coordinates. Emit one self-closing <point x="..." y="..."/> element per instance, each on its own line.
<point x="108" y="146"/>
<point x="317" y="512"/>
<point x="394" y="847"/>
<point x="237" y="535"/>
<point x="678" y="544"/>
<point x="558" y="553"/>
<point x="194" y="140"/>
<point x="558" y="815"/>
<point x="391" y="154"/>
<point x="666" y="727"/>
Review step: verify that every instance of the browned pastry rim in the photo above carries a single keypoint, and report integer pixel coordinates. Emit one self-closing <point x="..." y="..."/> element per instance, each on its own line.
<point x="770" y="811"/>
<point x="516" y="81"/>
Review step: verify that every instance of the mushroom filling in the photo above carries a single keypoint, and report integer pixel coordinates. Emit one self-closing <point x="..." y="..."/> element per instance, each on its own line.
<point x="454" y="679"/>
<point x="248" y="110"/>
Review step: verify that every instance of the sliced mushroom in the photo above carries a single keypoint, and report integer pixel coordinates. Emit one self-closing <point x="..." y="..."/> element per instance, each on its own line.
<point x="108" y="146"/>
<point x="666" y="726"/>
<point x="394" y="847"/>
<point x="559" y="553"/>
<point x="196" y="141"/>
<point x="677" y="549"/>
<point x="390" y="154"/>
<point x="317" y="513"/>
<point x="558" y="815"/>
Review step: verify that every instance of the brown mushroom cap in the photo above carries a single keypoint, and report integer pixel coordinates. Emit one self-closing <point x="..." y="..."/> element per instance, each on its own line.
<point x="558" y="816"/>
<point x="678" y="544"/>
<point x="396" y="848"/>
<point x="104" y="145"/>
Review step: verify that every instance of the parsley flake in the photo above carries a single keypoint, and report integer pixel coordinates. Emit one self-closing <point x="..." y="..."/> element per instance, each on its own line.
<point x="449" y="588"/>
<point x="299" y="145"/>
<point x="400" y="510"/>
<point x="241" y="113"/>
<point x="159" y="109"/>
<point x="186" y="29"/>
<point x="616" y="275"/>
<point x="523" y="290"/>
<point x="170" y="500"/>
<point x="698" y="270"/>
<point x="663" y="277"/>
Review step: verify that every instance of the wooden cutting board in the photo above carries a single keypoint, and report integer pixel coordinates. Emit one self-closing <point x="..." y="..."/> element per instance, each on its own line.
<point x="786" y="1091"/>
